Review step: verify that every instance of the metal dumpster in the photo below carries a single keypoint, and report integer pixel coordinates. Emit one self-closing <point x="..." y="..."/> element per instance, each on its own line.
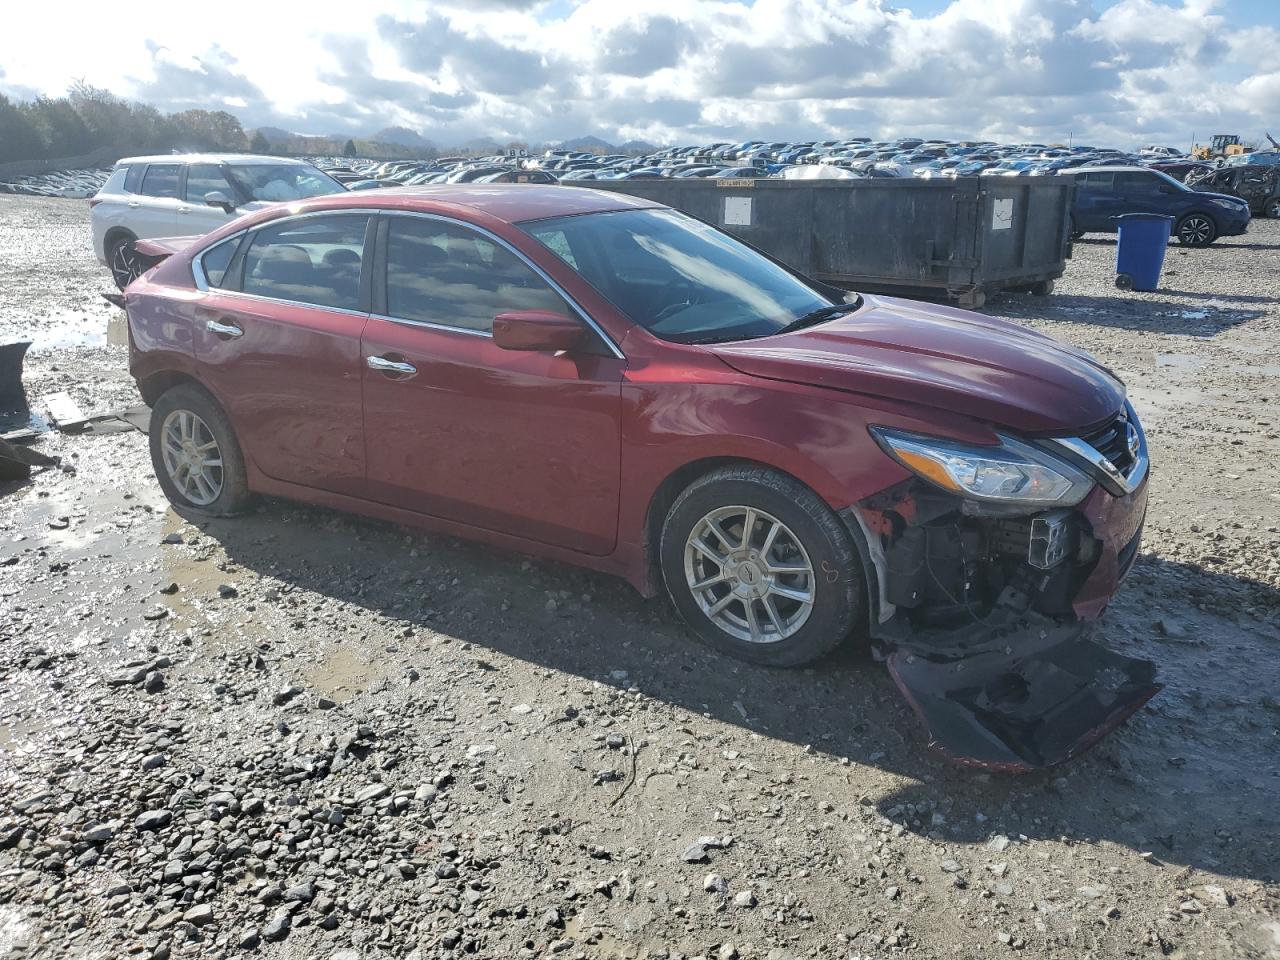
<point x="961" y="238"/>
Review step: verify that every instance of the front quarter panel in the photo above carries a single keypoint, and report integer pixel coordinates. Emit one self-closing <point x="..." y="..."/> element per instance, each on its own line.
<point x="681" y="410"/>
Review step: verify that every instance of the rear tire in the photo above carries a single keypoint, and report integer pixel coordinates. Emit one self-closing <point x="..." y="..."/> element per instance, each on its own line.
<point x="123" y="261"/>
<point x="1196" y="230"/>
<point x="189" y="433"/>
<point x="1124" y="282"/>
<point x="757" y="610"/>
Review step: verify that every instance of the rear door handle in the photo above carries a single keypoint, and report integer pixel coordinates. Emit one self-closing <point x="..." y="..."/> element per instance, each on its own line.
<point x="229" y="330"/>
<point x="383" y="365"/>
<point x="134" y="203"/>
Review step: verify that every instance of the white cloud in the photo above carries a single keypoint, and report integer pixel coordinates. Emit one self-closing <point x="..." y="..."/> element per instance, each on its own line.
<point x="679" y="70"/>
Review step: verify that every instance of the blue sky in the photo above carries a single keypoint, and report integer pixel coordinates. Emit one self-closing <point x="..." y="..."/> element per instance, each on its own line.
<point x="1114" y="72"/>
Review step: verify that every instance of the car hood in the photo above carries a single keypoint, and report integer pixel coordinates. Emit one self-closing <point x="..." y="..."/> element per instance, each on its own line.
<point x="953" y="360"/>
<point x="1230" y="198"/>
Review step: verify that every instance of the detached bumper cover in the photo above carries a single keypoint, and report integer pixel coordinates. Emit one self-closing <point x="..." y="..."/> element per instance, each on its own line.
<point x="1027" y="711"/>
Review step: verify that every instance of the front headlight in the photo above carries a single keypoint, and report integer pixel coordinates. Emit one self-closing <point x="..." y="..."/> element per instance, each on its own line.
<point x="1011" y="472"/>
<point x="1229" y="204"/>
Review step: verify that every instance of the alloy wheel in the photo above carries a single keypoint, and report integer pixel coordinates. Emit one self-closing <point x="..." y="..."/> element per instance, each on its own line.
<point x="749" y="574"/>
<point x="1195" y="231"/>
<point x="125" y="264"/>
<point x="191" y="457"/>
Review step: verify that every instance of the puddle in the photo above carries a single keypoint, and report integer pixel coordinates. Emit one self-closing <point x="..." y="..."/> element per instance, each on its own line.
<point x="342" y="674"/>
<point x="75" y="329"/>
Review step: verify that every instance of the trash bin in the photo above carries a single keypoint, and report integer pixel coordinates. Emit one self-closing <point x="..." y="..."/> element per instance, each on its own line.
<point x="1140" y="248"/>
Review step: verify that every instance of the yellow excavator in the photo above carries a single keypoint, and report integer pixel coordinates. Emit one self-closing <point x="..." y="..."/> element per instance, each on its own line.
<point x="1223" y="145"/>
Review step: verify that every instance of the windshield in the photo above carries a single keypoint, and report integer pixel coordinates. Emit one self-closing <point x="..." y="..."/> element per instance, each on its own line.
<point x="679" y="278"/>
<point x="1168" y="179"/>
<point x="282" y="181"/>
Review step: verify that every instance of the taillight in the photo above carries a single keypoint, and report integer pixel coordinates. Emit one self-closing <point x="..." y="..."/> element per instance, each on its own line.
<point x="94" y="201"/>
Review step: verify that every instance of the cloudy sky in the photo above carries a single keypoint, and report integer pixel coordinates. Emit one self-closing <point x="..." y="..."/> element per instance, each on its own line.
<point x="1113" y="72"/>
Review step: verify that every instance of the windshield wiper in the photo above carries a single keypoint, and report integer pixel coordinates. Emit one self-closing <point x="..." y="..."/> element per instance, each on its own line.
<point x="817" y="316"/>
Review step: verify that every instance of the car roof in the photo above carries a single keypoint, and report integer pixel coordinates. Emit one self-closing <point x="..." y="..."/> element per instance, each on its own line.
<point x="211" y="158"/>
<point x="510" y="202"/>
<point x="1110" y="168"/>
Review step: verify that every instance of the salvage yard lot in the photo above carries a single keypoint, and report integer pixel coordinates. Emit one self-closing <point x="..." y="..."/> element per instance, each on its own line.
<point x="373" y="740"/>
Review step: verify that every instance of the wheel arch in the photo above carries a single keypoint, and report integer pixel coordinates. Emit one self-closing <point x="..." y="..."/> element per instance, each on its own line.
<point x="156" y="384"/>
<point x="116" y="233"/>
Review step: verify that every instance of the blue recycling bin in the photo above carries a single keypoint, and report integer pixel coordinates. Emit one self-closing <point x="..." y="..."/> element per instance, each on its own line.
<point x="1140" y="248"/>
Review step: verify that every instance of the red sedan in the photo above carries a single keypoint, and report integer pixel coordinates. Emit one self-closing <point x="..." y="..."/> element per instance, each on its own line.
<point x="602" y="380"/>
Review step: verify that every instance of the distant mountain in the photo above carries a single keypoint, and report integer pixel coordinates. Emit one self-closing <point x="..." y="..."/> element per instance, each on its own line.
<point x="275" y="134"/>
<point x="588" y="145"/>
<point x="636" y="146"/>
<point x="401" y="136"/>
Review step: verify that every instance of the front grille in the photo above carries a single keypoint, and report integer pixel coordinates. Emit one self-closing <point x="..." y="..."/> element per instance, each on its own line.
<point x="1112" y="441"/>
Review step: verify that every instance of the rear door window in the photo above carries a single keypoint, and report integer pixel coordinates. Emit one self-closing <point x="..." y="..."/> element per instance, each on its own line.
<point x="161" y="180"/>
<point x="205" y="178"/>
<point x="448" y="275"/>
<point x="313" y="260"/>
<point x="133" y="179"/>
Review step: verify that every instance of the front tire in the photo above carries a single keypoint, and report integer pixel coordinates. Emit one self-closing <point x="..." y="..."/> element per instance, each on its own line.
<point x="760" y="568"/>
<point x="1196" y="230"/>
<point x="1273" y="208"/>
<point x="195" y="454"/>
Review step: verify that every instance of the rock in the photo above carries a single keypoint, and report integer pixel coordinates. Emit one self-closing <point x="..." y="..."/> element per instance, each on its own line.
<point x="156" y="613"/>
<point x="1172" y="629"/>
<point x="153" y="761"/>
<point x="446" y="870"/>
<point x="172" y="538"/>
<point x="324" y="703"/>
<point x="746" y="900"/>
<point x="303" y="892"/>
<point x="152" y="820"/>
<point x="694" y="853"/>
<point x="475" y="751"/>
<point x="277" y="927"/>
<point x="950" y="866"/>
<point x="270" y="893"/>
<point x="552" y="919"/>
<point x="127" y="676"/>
<point x="336" y="817"/>
<point x="283" y="696"/>
<point x="249" y="938"/>
<point x="998" y="843"/>
<point x="1215" y="895"/>
<point x="522" y="709"/>
<point x="199" y="915"/>
<point x="426" y="793"/>
<point x="1190" y="906"/>
<point x="154" y="682"/>
<point x="615" y="741"/>
<point x="226" y="591"/>
<point x="373" y="793"/>
<point x="99" y="833"/>
<point x="714" y="883"/>
<point x="891" y="893"/>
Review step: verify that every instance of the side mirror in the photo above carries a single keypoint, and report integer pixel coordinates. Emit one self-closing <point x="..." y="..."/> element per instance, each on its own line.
<point x="216" y="198"/>
<point x="536" y="330"/>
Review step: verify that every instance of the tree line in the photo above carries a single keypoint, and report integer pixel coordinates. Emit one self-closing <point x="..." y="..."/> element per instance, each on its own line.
<point x="89" y="119"/>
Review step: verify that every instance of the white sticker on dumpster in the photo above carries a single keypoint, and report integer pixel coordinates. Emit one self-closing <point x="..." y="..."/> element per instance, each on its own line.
<point x="1002" y="214"/>
<point x="737" y="211"/>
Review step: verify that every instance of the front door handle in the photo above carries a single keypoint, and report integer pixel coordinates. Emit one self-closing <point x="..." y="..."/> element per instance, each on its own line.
<point x="383" y="365"/>
<point x="229" y="330"/>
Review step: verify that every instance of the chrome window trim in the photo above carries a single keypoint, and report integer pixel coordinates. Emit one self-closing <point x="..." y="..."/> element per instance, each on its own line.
<point x="202" y="282"/>
<point x="1115" y="482"/>
<point x="197" y="263"/>
<point x="538" y="271"/>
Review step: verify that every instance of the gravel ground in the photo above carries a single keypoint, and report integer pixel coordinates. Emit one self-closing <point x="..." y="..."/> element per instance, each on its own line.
<point x="309" y="735"/>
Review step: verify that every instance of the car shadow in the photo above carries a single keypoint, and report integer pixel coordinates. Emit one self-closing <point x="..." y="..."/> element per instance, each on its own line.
<point x="1148" y="786"/>
<point x="1147" y="312"/>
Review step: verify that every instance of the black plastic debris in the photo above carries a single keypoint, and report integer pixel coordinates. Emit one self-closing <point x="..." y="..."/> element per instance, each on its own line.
<point x="11" y="391"/>
<point x="16" y="462"/>
<point x="1026" y="706"/>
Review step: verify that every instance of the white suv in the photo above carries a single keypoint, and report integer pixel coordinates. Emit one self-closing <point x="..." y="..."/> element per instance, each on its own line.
<point x="189" y="195"/>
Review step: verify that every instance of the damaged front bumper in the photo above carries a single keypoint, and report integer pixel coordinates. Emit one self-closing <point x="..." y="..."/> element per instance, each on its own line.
<point x="982" y="618"/>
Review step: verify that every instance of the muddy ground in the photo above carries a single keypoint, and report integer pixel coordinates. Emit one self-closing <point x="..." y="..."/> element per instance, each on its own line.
<point x="310" y="735"/>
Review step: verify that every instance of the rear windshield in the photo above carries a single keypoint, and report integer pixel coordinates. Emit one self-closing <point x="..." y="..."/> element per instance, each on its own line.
<point x="282" y="181"/>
